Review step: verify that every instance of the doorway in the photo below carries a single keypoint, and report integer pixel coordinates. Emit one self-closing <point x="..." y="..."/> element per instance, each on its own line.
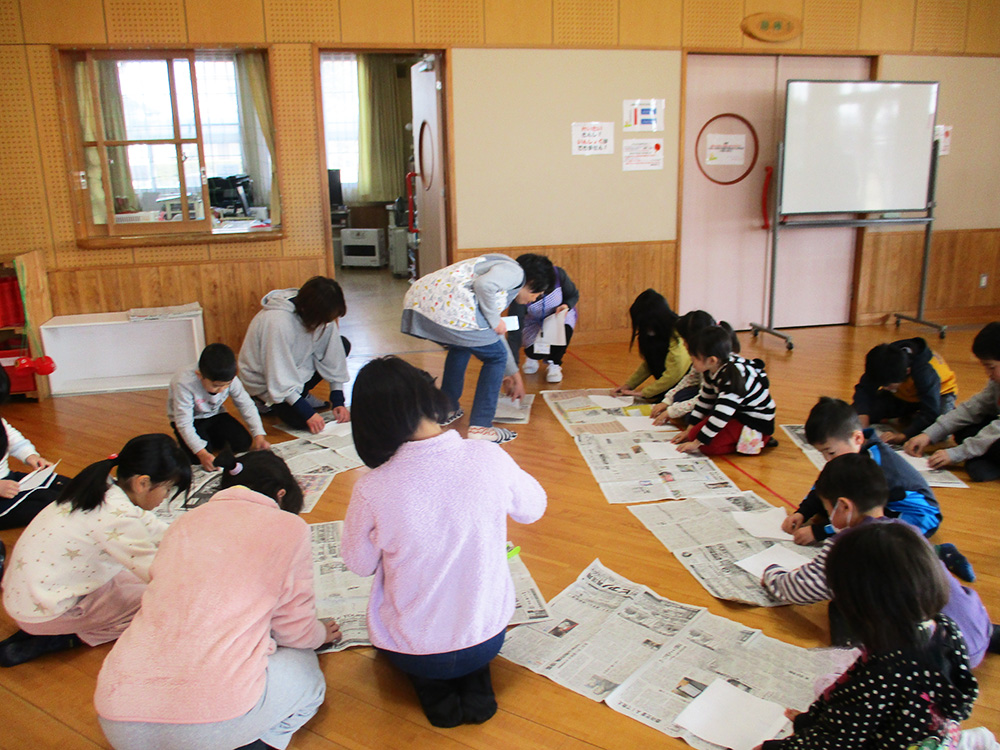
<point x="725" y="247"/>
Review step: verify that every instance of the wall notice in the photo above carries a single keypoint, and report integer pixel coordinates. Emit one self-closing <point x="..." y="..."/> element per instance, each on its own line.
<point x="642" y="154"/>
<point x="725" y="150"/>
<point x="593" y="138"/>
<point x="643" y="114"/>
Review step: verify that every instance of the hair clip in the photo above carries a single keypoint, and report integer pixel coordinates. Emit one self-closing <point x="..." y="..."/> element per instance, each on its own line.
<point x="113" y="457"/>
<point x="237" y="468"/>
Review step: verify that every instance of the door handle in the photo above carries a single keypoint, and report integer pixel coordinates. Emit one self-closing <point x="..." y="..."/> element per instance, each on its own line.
<point x="768" y="171"/>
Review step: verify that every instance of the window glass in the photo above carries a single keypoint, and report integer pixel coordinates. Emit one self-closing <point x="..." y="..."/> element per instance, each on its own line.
<point x="341" y="112"/>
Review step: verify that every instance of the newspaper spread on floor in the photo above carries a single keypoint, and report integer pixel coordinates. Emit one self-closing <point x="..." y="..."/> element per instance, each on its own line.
<point x="316" y="459"/>
<point x="647" y="657"/>
<point x="933" y="477"/>
<point x="343" y="595"/>
<point x="514" y="411"/>
<point x="625" y="467"/>
<point x="596" y="411"/>
<point x="706" y="540"/>
<point x="204" y="484"/>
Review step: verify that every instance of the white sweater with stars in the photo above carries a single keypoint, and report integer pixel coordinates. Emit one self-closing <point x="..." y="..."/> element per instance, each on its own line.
<point x="65" y="554"/>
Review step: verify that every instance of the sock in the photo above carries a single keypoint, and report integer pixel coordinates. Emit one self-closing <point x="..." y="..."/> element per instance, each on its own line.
<point x="23" y="647"/>
<point x="439" y="699"/>
<point x="479" y="703"/>
<point x="956" y="562"/>
<point x="994" y="647"/>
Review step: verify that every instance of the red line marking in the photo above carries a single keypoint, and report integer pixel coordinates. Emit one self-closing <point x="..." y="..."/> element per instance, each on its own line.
<point x="743" y="471"/>
<point x="585" y="362"/>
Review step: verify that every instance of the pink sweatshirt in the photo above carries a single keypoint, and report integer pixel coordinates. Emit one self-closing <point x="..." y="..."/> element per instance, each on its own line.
<point x="431" y="524"/>
<point x="232" y="580"/>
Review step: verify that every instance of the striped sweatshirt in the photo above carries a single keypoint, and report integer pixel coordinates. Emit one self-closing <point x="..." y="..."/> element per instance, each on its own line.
<point x="720" y="404"/>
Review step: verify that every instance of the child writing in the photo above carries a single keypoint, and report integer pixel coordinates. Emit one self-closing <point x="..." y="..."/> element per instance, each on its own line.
<point x="734" y="411"/>
<point x="430" y="522"/>
<point x="459" y="308"/>
<point x="196" y="408"/>
<point x="292" y="344"/>
<point x="79" y="569"/>
<point x="531" y="317"/>
<point x="912" y="682"/>
<point x="904" y="381"/>
<point x="975" y="424"/>
<point x="223" y="658"/>
<point x="664" y="356"/>
<point x="853" y="490"/>
<point x="679" y="401"/>
<point x="17" y="508"/>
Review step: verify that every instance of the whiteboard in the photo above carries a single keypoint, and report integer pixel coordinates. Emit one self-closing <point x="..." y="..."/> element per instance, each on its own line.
<point x="857" y="146"/>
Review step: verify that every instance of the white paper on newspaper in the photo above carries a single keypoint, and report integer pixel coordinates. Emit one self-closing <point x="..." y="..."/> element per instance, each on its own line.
<point x="642" y="422"/>
<point x="514" y="411"/>
<point x="730" y="717"/>
<point x="756" y="564"/>
<point x="764" y="524"/>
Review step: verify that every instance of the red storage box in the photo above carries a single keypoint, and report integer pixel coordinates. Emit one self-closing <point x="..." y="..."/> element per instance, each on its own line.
<point x="21" y="381"/>
<point x="11" y="309"/>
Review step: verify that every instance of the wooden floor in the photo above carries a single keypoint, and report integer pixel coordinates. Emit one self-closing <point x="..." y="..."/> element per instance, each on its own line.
<point x="48" y="703"/>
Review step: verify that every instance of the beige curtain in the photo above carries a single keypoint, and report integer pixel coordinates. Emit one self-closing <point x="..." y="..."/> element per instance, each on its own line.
<point x="88" y="130"/>
<point x="113" y="113"/>
<point x="381" y="141"/>
<point x="251" y="73"/>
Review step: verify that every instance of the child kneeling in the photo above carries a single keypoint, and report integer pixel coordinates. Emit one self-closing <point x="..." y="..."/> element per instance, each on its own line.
<point x="430" y="522"/>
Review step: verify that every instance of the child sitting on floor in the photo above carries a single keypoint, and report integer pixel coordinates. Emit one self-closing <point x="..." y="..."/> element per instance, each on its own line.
<point x="912" y="683"/>
<point x="221" y="651"/>
<point x="680" y="400"/>
<point x="430" y="523"/>
<point x="734" y="411"/>
<point x="79" y="570"/>
<point x="196" y="401"/>
<point x="975" y="424"/>
<point x="853" y="490"/>
<point x="664" y="357"/>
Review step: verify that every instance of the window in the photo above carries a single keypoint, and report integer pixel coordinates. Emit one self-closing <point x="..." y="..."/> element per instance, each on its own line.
<point x="341" y="117"/>
<point x="171" y="142"/>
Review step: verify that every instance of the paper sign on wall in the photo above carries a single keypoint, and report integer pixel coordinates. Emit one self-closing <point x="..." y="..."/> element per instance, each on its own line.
<point x="942" y="134"/>
<point x="642" y="154"/>
<point x="593" y="138"/>
<point x="643" y="114"/>
<point x="725" y="150"/>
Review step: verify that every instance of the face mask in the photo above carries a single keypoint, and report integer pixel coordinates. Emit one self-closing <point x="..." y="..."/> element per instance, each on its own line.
<point x="847" y="525"/>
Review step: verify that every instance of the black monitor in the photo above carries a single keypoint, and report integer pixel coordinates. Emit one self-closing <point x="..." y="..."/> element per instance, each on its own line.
<point x="336" y="192"/>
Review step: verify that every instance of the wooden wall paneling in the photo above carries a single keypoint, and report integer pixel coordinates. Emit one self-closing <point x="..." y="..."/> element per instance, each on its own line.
<point x="11" y="31"/>
<point x="52" y="144"/>
<point x="214" y="284"/>
<point x="585" y="23"/>
<point x="169" y="254"/>
<point x="712" y="23"/>
<point x="26" y="214"/>
<point x="242" y="251"/>
<point x="957" y="260"/>
<point x="63" y="22"/>
<point x="831" y="24"/>
<point x="940" y="26"/>
<point x="302" y="20"/>
<point x="145" y="21"/>
<point x="457" y="23"/>
<point x="887" y="25"/>
<point x="294" y="101"/>
<point x="793" y="8"/>
<point x="248" y="289"/>
<point x="234" y="21"/>
<point x="388" y="22"/>
<point x="37" y="306"/>
<point x="516" y="23"/>
<point x="649" y="23"/>
<point x="982" y="37"/>
<point x="68" y="255"/>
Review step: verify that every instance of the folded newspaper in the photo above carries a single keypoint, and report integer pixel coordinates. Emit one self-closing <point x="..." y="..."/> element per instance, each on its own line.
<point x="616" y="641"/>
<point x="190" y="310"/>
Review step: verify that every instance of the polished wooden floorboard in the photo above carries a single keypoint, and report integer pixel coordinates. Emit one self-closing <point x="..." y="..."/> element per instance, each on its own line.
<point x="48" y="703"/>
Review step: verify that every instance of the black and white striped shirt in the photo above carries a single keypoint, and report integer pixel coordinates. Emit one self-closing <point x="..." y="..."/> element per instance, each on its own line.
<point x="720" y="404"/>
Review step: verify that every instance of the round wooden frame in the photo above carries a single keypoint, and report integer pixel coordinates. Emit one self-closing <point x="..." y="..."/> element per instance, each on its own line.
<point x="756" y="149"/>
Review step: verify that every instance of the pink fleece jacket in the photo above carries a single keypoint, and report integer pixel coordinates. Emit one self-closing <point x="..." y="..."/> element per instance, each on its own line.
<point x="232" y="580"/>
<point x="431" y="524"/>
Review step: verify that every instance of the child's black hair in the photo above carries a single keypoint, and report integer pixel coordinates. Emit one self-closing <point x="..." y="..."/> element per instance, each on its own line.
<point x="986" y="345"/>
<point x="857" y="477"/>
<point x="886" y="581"/>
<point x="217" y="363"/>
<point x="263" y="472"/>
<point x="691" y="323"/>
<point x="319" y="301"/>
<point x="539" y="273"/>
<point x="157" y="456"/>
<point x="390" y="399"/>
<point x="831" y="419"/>
<point x="886" y="364"/>
<point x="720" y="341"/>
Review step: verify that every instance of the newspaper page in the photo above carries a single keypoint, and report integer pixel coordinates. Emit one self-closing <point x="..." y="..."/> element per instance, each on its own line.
<point x="933" y="477"/>
<point x="706" y="540"/>
<point x="579" y="414"/>
<point x="204" y="484"/>
<point x="510" y="411"/>
<point x="529" y="604"/>
<point x="340" y="594"/>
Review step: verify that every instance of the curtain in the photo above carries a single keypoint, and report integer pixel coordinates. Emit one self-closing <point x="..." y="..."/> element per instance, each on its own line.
<point x="381" y="132"/>
<point x="113" y="112"/>
<point x="251" y="73"/>
<point x="88" y="129"/>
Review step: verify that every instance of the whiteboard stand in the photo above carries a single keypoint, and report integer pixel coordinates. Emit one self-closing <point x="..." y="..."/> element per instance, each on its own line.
<point x="778" y="224"/>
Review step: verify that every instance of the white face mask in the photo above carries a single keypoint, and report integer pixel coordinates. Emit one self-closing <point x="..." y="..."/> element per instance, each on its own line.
<point x="847" y="524"/>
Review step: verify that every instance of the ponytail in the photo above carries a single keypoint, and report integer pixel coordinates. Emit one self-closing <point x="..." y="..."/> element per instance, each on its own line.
<point x="156" y="456"/>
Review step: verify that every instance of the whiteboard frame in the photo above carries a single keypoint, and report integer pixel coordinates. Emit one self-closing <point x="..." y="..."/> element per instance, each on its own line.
<point x="813" y="155"/>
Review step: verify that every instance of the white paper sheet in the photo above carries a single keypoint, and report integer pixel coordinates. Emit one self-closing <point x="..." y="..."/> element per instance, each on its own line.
<point x="775" y="555"/>
<point x="37" y="478"/>
<point x="725" y="715"/>
<point x="660" y="451"/>
<point x="764" y="525"/>
<point x="511" y="322"/>
<point x="610" y="402"/>
<point x="553" y="332"/>
<point x="636" y="424"/>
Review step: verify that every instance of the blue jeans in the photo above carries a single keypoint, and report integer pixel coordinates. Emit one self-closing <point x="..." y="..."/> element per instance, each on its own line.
<point x="450" y="664"/>
<point x="494" y="359"/>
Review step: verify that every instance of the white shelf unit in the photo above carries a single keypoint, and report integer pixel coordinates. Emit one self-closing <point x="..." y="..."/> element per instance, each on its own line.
<point x="106" y="352"/>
